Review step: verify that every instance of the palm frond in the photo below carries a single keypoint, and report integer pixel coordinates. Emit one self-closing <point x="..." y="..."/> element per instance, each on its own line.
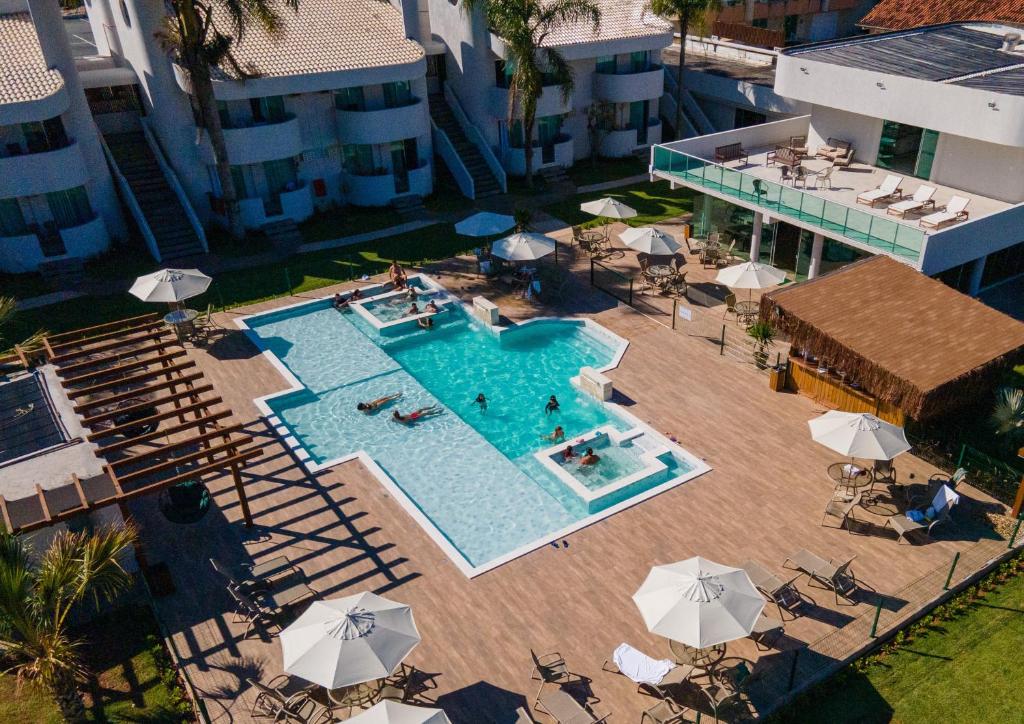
<point x="562" y="71"/>
<point x="1008" y="414"/>
<point x="16" y="584"/>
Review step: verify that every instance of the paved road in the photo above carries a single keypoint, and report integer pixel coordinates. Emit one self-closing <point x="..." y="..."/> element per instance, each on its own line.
<point x="80" y="35"/>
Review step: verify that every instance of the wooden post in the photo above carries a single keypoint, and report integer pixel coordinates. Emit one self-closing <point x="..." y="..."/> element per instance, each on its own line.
<point x="1018" y="502"/>
<point x="240" y="489"/>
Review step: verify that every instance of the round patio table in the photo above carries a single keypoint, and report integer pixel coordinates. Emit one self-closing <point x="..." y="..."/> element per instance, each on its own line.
<point x="705" y="658"/>
<point x="357" y="696"/>
<point x="747" y="310"/>
<point x="660" y="272"/>
<point x="182" y="320"/>
<point x="842" y="476"/>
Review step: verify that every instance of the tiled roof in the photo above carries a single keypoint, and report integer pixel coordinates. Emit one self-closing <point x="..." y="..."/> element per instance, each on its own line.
<point x="323" y="36"/>
<point x="904" y="14"/>
<point x="620" y="19"/>
<point x="23" y="72"/>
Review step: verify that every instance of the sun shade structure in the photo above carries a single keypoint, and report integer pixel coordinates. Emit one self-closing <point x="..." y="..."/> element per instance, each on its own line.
<point x="485" y="223"/>
<point x="523" y="246"/>
<point x="750" y="275"/>
<point x="699" y="602"/>
<point x="170" y="285"/>
<point x="609" y="208"/>
<point x="391" y="712"/>
<point x="349" y="640"/>
<point x="649" y="240"/>
<point x="859" y="435"/>
<point x="907" y="339"/>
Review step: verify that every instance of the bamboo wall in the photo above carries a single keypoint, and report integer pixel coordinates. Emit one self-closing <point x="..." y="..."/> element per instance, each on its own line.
<point x="830" y="391"/>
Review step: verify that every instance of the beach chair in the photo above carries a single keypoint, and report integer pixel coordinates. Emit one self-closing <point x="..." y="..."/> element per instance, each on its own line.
<point x="552" y="669"/>
<point x="824" y="177"/>
<point x="782" y="593"/>
<point x="564" y="709"/>
<point x="842" y="507"/>
<point x="268" y="606"/>
<point x="922" y="197"/>
<point x="767" y="630"/>
<point x="655" y="677"/>
<point x="836" y="577"/>
<point x="956" y="210"/>
<point x="256" y="576"/>
<point x="927" y="519"/>
<point x="886" y="190"/>
<point x="730" y="306"/>
<point x="665" y="711"/>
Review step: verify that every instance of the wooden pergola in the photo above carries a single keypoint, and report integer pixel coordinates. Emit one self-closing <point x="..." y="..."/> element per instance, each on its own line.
<point x="155" y="421"/>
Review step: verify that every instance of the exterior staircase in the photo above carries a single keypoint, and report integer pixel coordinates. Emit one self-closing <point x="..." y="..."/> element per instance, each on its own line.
<point x="284" y="236"/>
<point x="174" y="236"/>
<point x="483" y="180"/>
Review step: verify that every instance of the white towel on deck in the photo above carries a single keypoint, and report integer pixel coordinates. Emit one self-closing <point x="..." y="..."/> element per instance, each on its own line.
<point x="640" y="667"/>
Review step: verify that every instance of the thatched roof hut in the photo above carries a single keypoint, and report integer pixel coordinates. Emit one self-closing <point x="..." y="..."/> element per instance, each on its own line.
<point x="907" y="339"/>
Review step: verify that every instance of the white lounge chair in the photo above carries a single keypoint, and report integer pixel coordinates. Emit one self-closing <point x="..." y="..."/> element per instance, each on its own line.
<point x="956" y="210"/>
<point x="889" y="188"/>
<point x="921" y="198"/>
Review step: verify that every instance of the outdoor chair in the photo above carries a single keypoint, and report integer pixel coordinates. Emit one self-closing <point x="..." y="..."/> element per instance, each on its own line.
<point x="824" y="177"/>
<point x="799" y="176"/>
<point x="715" y="237"/>
<point x="767" y="630"/>
<point x="638" y="667"/>
<point x="956" y="210"/>
<point x="922" y="197"/>
<point x="927" y="519"/>
<point x="577" y="235"/>
<point x="787" y="176"/>
<point x="843" y="158"/>
<point x="564" y="709"/>
<point x="729" y="255"/>
<point x="273" y="697"/>
<point x="677" y="284"/>
<point x="838" y="578"/>
<point x="665" y="711"/>
<point x="249" y="577"/>
<point x="552" y="669"/>
<point x="782" y="593"/>
<point x="730" y="306"/>
<point x="888" y="189"/>
<point x="798" y="145"/>
<point x="709" y="256"/>
<point x="270" y="605"/>
<point x="412" y="681"/>
<point x="842" y="507"/>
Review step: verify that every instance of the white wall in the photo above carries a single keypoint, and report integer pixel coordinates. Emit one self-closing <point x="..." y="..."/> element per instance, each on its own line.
<point x="968" y="240"/>
<point x="864" y="132"/>
<point x="979" y="167"/>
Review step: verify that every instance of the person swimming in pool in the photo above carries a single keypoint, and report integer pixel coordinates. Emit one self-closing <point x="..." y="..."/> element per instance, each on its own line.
<point x="557" y="436"/>
<point x="410" y="294"/>
<point x="341" y="303"/>
<point x="431" y="307"/>
<point x="590" y="458"/>
<point x="414" y="309"/>
<point x="374" y="405"/>
<point x="425" y="323"/>
<point x="481" y="402"/>
<point x="568" y="454"/>
<point x="416" y="415"/>
<point x="552" y="405"/>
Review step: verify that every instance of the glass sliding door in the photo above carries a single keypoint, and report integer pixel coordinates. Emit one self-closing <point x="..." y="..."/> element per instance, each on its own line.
<point x="926" y="154"/>
<point x="638" y="113"/>
<point x="907" y="149"/>
<point x="399" y="167"/>
<point x="548" y="129"/>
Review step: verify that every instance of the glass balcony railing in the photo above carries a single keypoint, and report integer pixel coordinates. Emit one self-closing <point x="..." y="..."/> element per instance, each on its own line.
<point x="894" y="237"/>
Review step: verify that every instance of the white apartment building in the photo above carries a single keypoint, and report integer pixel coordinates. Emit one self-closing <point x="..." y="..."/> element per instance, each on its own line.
<point x="56" y="196"/>
<point x="940" y="107"/>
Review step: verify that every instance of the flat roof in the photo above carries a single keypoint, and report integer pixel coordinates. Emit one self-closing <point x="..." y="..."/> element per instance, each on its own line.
<point x="967" y="54"/>
<point x="23" y="72"/>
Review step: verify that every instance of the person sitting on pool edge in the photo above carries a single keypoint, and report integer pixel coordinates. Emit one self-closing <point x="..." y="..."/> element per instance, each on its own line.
<point x="341" y="302"/>
<point x="557" y="436"/>
<point x="432" y="307"/>
<point x="590" y="458"/>
<point x="374" y="405"/>
<point x="397" y="275"/>
<point x="552" y="405"/>
<point x="568" y="453"/>
<point x="416" y="415"/>
<point x="425" y="323"/>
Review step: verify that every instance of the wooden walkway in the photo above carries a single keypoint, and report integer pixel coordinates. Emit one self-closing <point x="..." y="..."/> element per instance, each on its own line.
<point x="762" y="500"/>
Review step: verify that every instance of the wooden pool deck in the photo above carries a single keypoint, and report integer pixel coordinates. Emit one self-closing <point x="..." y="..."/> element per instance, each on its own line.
<point x="762" y="500"/>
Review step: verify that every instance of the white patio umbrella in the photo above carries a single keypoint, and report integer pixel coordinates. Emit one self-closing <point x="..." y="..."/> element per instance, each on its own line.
<point x="859" y="435"/>
<point x="391" y="712"/>
<point x="170" y="285"/>
<point x="750" y="275"/>
<point x="699" y="602"/>
<point x="523" y="246"/>
<point x="649" y="240"/>
<point x="349" y="640"/>
<point x="485" y="223"/>
<point x="608" y="208"/>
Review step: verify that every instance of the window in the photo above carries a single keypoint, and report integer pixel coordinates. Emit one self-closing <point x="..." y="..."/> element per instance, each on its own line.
<point x="411" y="153"/>
<point x="70" y="207"/>
<point x="12" y="220"/>
<point x="281" y="175"/>
<point x="244" y="188"/>
<point x="359" y="159"/>
<point x="350" y="99"/>
<point x="744" y="117"/>
<point x="397" y="94"/>
<point x="606" y="64"/>
<point x="638" y="61"/>
<point x="44" y="135"/>
<point x="268" y="110"/>
<point x="503" y="71"/>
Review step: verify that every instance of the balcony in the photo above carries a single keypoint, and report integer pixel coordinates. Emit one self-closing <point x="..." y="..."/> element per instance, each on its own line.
<point x="385" y="124"/>
<point x="564" y="155"/>
<point x="630" y="86"/>
<point x="623" y="142"/>
<point x="550" y="102"/>
<point x="296" y="205"/>
<point x="833" y="211"/>
<point x="39" y="173"/>
<point x="379" y="189"/>
<point x="261" y="142"/>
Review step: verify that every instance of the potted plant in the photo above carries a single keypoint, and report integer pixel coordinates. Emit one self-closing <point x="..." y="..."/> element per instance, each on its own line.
<point x="763" y="335"/>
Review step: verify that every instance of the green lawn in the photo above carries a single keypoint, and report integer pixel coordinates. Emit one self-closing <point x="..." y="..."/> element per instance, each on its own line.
<point x="653" y="202"/>
<point x="588" y="172"/>
<point x="131" y="680"/>
<point x="965" y="669"/>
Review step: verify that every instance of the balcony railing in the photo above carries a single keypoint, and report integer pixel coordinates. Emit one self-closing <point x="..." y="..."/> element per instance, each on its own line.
<point x="879" y="233"/>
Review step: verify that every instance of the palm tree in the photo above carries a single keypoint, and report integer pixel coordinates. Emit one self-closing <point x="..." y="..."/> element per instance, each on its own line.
<point x="523" y="25"/>
<point x="198" y="45"/>
<point x="1008" y="415"/>
<point x="684" y="13"/>
<point x="35" y="601"/>
<point x="8" y="307"/>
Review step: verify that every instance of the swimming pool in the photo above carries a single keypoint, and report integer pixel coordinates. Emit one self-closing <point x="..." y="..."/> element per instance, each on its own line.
<point x="470" y="476"/>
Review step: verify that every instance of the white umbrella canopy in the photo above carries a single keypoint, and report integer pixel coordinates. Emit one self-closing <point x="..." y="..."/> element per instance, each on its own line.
<point x="391" y="712"/>
<point x="485" y="223"/>
<point x="170" y="285"/>
<point x="609" y="208"/>
<point x="523" y="246"/>
<point x="349" y="640"/>
<point x="649" y="240"/>
<point x="750" y="275"/>
<point x="859" y="435"/>
<point x="699" y="602"/>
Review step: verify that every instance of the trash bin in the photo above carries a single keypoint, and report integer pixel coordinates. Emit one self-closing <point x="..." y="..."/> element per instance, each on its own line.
<point x="777" y="378"/>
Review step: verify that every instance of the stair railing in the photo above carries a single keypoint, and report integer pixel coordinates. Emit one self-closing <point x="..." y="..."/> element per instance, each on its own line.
<point x="172" y="181"/>
<point x="477" y="138"/>
<point x="128" y="196"/>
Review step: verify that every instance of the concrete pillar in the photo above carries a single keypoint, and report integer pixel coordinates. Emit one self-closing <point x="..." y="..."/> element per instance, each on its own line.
<point x="816" y="248"/>
<point x="974" y="281"/>
<point x="755" y="237"/>
<point x="748" y="12"/>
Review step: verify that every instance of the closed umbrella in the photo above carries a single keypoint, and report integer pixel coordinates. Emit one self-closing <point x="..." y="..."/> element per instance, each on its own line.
<point x="349" y="640"/>
<point x="170" y="285"/>
<point x="608" y="208"/>
<point x="523" y="246"/>
<point x="699" y="602"/>
<point x="649" y="240"/>
<point x="484" y="223"/>
<point x="391" y="712"/>
<point x="859" y="435"/>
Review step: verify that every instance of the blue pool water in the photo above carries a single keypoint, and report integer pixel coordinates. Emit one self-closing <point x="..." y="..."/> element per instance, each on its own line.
<point x="472" y="473"/>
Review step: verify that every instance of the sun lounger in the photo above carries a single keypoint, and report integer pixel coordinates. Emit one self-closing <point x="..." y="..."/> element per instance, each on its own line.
<point x="782" y="593"/>
<point x="250" y="577"/>
<point x="941" y="508"/>
<point x="836" y="577"/>
<point x="767" y="630"/>
<point x="889" y="188"/>
<point x="561" y="707"/>
<point x="652" y="676"/>
<point x="921" y="198"/>
<point x="956" y="210"/>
